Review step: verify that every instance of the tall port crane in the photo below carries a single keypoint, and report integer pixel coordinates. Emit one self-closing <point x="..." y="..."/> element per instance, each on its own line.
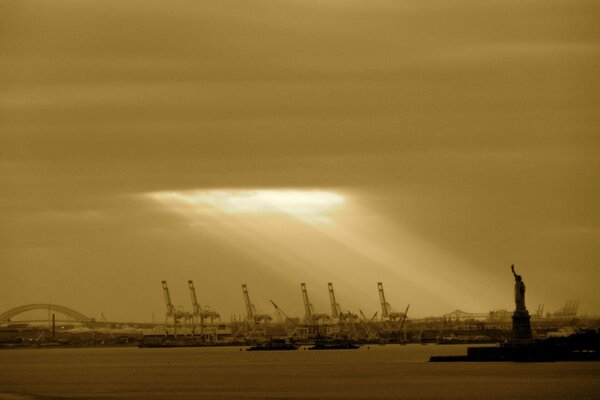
<point x="335" y="307"/>
<point x="308" y="308"/>
<point x="393" y="321"/>
<point x="310" y="317"/>
<point x="345" y="320"/>
<point x="254" y="321"/>
<point x="251" y="314"/>
<point x="200" y="312"/>
<point x="249" y="306"/>
<point x="386" y="309"/>
<point x="336" y="310"/>
<point x="172" y="311"/>
<point x="170" y="307"/>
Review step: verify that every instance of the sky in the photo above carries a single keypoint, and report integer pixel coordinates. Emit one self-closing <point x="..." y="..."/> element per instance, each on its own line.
<point x="427" y="145"/>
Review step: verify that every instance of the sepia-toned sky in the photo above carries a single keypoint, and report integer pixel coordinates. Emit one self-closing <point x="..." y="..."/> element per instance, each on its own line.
<point x="424" y="144"/>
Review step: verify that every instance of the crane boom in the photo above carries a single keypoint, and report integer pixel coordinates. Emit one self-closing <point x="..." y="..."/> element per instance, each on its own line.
<point x="308" y="311"/>
<point x="282" y="312"/>
<point x="170" y="307"/>
<point x="197" y="309"/>
<point x="385" y="306"/>
<point x="387" y="314"/>
<point x="335" y="307"/>
<point x="404" y="316"/>
<point x="251" y="315"/>
<point x="249" y="306"/>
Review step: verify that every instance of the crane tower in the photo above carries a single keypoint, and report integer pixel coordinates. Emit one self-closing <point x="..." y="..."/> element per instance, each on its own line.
<point x="172" y="311"/>
<point x="335" y="307"/>
<point x="200" y="312"/>
<point x="170" y="308"/>
<point x="251" y="314"/>
<point x="386" y="309"/>
<point x="308" y="308"/>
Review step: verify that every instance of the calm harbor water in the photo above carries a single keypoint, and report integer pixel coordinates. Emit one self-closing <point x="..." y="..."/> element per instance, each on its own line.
<point x="374" y="372"/>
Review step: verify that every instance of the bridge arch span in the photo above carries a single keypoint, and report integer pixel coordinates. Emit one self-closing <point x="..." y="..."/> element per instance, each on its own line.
<point x="69" y="312"/>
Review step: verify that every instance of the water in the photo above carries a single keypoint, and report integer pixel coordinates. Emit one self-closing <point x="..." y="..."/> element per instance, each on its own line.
<point x="376" y="372"/>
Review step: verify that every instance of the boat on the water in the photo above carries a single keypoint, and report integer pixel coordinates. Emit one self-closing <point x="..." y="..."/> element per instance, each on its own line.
<point x="274" y="344"/>
<point x="323" y="342"/>
<point x="329" y="343"/>
<point x="267" y="347"/>
<point x="334" y="346"/>
<point x="166" y="344"/>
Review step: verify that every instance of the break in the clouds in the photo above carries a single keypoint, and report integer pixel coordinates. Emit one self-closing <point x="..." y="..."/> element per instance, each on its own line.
<point x="461" y="138"/>
<point x="311" y="206"/>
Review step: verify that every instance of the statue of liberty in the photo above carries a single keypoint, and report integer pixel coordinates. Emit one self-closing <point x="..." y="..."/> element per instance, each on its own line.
<point x="519" y="291"/>
<point x="521" y="327"/>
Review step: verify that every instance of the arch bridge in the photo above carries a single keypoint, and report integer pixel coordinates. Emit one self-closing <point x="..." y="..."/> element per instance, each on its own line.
<point x="459" y="315"/>
<point x="6" y="316"/>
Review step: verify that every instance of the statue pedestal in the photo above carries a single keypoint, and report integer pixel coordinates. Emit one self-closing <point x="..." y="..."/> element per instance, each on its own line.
<point x="521" y="327"/>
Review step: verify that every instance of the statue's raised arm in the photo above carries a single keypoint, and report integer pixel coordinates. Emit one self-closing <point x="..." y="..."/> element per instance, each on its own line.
<point x="517" y="276"/>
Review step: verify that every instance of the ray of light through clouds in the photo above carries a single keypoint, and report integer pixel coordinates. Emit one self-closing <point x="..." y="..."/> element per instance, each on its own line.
<point x="307" y="205"/>
<point x="323" y="236"/>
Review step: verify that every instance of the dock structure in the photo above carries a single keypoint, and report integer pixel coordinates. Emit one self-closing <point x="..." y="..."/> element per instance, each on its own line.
<point x="201" y="326"/>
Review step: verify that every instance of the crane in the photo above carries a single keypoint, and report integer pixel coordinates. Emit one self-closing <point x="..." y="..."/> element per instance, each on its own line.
<point x="195" y="305"/>
<point x="172" y="311"/>
<point x="336" y="310"/>
<point x="404" y="318"/>
<point x="199" y="312"/>
<point x="310" y="317"/>
<point x="254" y="327"/>
<point x="386" y="309"/>
<point x="385" y="306"/>
<point x="279" y="310"/>
<point x="297" y="332"/>
<point x="249" y="306"/>
<point x="251" y="314"/>
<point x="345" y="320"/>
<point x="308" y="308"/>
<point x="335" y="307"/>
<point x="170" y="308"/>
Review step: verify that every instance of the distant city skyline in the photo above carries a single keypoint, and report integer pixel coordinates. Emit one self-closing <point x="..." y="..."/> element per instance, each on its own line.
<point x="424" y="145"/>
